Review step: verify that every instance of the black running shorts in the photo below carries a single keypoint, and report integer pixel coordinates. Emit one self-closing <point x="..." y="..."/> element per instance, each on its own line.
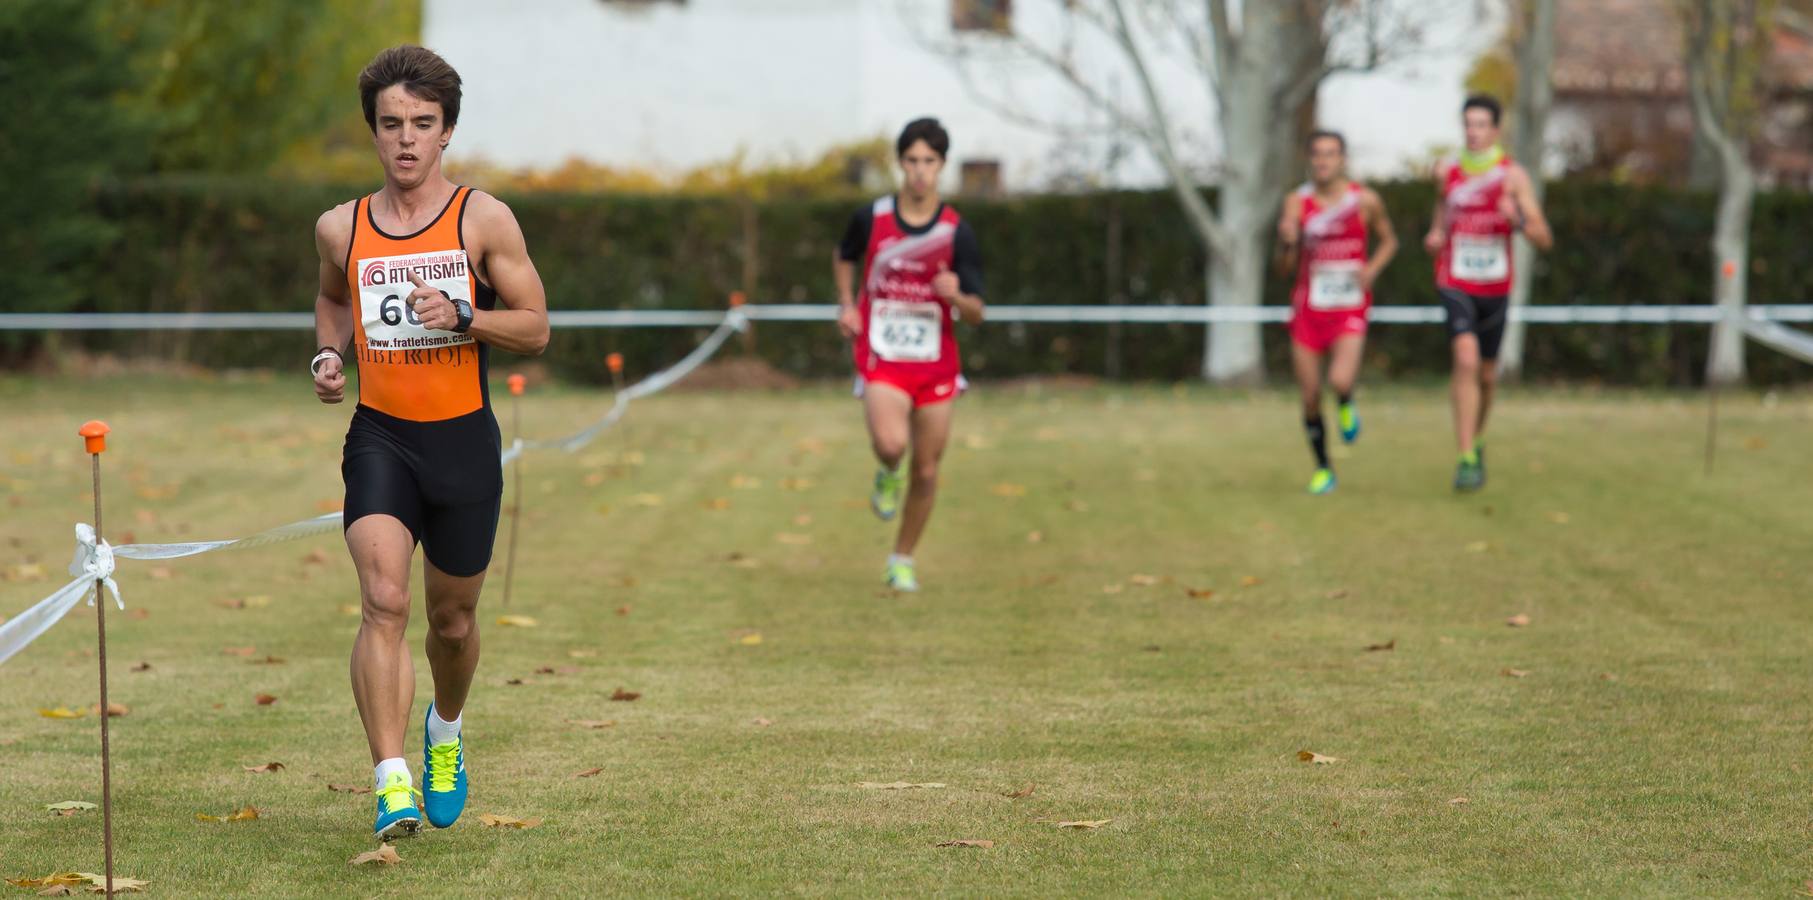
<point x="1482" y="317"/>
<point x="442" y="480"/>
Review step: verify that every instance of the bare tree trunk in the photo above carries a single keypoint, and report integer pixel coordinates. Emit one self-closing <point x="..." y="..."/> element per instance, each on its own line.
<point x="1731" y="282"/>
<point x="1535" y="94"/>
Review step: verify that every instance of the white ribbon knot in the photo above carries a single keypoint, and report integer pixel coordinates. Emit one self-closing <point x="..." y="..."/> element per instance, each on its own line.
<point x="94" y="561"/>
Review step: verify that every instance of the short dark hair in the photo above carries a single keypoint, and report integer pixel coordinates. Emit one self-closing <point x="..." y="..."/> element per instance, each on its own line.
<point x="421" y="71"/>
<point x="1325" y="134"/>
<point x="1486" y="102"/>
<point x="927" y="130"/>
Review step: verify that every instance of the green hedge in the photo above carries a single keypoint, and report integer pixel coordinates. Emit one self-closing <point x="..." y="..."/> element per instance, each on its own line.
<point x="218" y="245"/>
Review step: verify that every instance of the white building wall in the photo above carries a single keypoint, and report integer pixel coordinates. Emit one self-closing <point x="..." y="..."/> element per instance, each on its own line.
<point x="672" y="86"/>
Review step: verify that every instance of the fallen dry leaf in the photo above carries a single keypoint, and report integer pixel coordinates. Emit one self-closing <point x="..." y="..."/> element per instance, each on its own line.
<point x="160" y="573"/>
<point x="257" y="601"/>
<point x="62" y="712"/>
<point x="517" y="621"/>
<point x="138" y="613"/>
<point x="1559" y="518"/>
<point x="1388" y="645"/>
<point x="718" y="503"/>
<point x="1249" y="581"/>
<point x="625" y="696"/>
<point x="588" y="773"/>
<point x="623" y="610"/>
<point x="1518" y="621"/>
<point x="1023" y="792"/>
<point x="583" y="654"/>
<point x="349" y="609"/>
<point x="1310" y="756"/>
<point x="1514" y="673"/>
<point x="1607" y="676"/>
<point x="897" y="785"/>
<point x="966" y="843"/>
<point x="384" y="855"/>
<point x="1200" y="593"/>
<point x="1459" y="801"/>
<point x="265" y="699"/>
<point x="1035" y="537"/>
<point x="1477" y="547"/>
<point x="593" y="723"/>
<point x="764" y="722"/>
<point x="793" y="540"/>
<point x="545" y="670"/>
<point x="518" y="682"/>
<point x="1336" y="594"/>
<point x="1139" y="580"/>
<point x="114" y="710"/>
<point x="495" y="821"/>
<point x="52" y="880"/>
<point x="750" y="640"/>
<point x="316" y="557"/>
<point x="267" y="767"/>
<point x="24" y="572"/>
<point x="1076" y="506"/>
<point x="239" y="651"/>
<point x="1091" y="824"/>
<point x="1113" y="588"/>
<point x="348" y="789"/>
<point x="1008" y="490"/>
<point x="142" y="667"/>
<point x="68" y="807"/>
<point x="1755" y="443"/>
<point x="796" y="484"/>
<point x="97" y="884"/>
<point x="269" y="661"/>
<point x="244" y="814"/>
<point x="230" y="603"/>
<point x="646" y="499"/>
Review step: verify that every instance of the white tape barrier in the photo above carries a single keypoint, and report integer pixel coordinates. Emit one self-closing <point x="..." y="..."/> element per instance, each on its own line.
<point x="1782" y="339"/>
<point x="1578" y="314"/>
<point x="94" y="560"/>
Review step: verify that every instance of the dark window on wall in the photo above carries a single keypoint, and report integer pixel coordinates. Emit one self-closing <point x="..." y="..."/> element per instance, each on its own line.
<point x="992" y="16"/>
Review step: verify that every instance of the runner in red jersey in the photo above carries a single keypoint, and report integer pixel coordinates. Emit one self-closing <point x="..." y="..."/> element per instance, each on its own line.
<point x="921" y="274"/>
<point x="1485" y="198"/>
<point x="1323" y="233"/>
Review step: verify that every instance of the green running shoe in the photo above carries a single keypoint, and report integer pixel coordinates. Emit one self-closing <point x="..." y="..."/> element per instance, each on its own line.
<point x="901" y="577"/>
<point x="1350" y="422"/>
<point x="1323" y="482"/>
<point x="398" y="815"/>
<point x="886" y="498"/>
<point x="1469" y="475"/>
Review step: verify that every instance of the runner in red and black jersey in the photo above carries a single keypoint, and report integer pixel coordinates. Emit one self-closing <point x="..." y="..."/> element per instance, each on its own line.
<point x="1323" y="233"/>
<point x="1485" y="198"/>
<point x="921" y="274"/>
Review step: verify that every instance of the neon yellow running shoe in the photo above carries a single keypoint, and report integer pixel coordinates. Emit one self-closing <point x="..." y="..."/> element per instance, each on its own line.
<point x="901" y="577"/>
<point x="886" y="498"/>
<point x="1323" y="482"/>
<point x="398" y="816"/>
<point x="1350" y="422"/>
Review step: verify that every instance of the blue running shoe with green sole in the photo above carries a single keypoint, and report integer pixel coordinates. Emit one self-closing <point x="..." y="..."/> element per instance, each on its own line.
<point x="397" y="812"/>
<point x="1350" y="422"/>
<point x="1469" y="475"/>
<point x="1323" y="482"/>
<point x="443" y="777"/>
<point x="901" y="577"/>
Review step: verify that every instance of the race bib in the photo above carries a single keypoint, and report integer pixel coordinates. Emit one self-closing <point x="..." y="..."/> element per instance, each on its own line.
<point x="1335" y="285"/>
<point x="1480" y="258"/>
<point x="905" y="331"/>
<point x="384" y="288"/>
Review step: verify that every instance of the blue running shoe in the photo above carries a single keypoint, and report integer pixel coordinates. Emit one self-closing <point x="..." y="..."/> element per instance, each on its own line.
<point x="397" y="812"/>
<point x="1350" y="422"/>
<point x="443" y="777"/>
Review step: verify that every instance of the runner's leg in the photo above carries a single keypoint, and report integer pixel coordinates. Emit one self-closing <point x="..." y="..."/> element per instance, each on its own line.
<point x="1465" y="390"/>
<point x="382" y="674"/>
<point x="1344" y="363"/>
<point x="931" y="431"/>
<point x="889" y="411"/>
<point x="452" y="641"/>
<point x="1306" y="364"/>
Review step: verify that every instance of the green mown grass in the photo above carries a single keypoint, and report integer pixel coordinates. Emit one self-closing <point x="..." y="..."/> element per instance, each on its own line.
<point x="1657" y="745"/>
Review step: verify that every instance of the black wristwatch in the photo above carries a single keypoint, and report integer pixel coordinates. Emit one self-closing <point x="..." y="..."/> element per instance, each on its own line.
<point x="464" y="310"/>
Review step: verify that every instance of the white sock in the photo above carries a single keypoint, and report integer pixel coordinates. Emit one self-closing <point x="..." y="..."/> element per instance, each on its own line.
<point x="441" y="731"/>
<point x="897" y="559"/>
<point x="394" y="765"/>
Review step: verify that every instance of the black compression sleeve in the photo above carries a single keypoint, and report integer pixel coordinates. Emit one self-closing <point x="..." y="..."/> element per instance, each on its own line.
<point x="856" y="237"/>
<point x="966" y="258"/>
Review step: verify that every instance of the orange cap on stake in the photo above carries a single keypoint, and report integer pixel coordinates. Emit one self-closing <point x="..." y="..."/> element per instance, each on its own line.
<point x="1730" y="270"/>
<point x="615" y="362"/>
<point x="737" y="298"/>
<point x="94" y="435"/>
<point x="517" y="383"/>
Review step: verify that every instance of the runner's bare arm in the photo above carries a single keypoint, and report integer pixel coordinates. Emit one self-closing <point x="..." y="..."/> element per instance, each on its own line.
<point x="520" y="324"/>
<point x="1379" y="223"/>
<point x="333" y="303"/>
<point x="1290" y="231"/>
<point x="843" y="274"/>
<point x="1438" y="226"/>
<point x="1535" y="225"/>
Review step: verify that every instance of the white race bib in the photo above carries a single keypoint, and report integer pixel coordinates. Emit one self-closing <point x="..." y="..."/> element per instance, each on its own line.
<point x="384" y="288"/>
<point x="1336" y="285"/>
<point x="1480" y="258"/>
<point x="906" y="331"/>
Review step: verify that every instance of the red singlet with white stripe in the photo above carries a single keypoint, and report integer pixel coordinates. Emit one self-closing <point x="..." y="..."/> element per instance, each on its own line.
<point x="1330" y="301"/>
<point x="908" y="336"/>
<point x="1477" y="257"/>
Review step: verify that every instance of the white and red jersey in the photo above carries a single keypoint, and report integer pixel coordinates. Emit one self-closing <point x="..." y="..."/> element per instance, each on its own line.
<point x="1477" y="257"/>
<point x="1332" y="256"/>
<point x="905" y="323"/>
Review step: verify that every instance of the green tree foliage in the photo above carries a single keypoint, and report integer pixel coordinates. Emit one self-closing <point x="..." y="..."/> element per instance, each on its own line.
<point x="62" y="135"/>
<point x="250" y="87"/>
